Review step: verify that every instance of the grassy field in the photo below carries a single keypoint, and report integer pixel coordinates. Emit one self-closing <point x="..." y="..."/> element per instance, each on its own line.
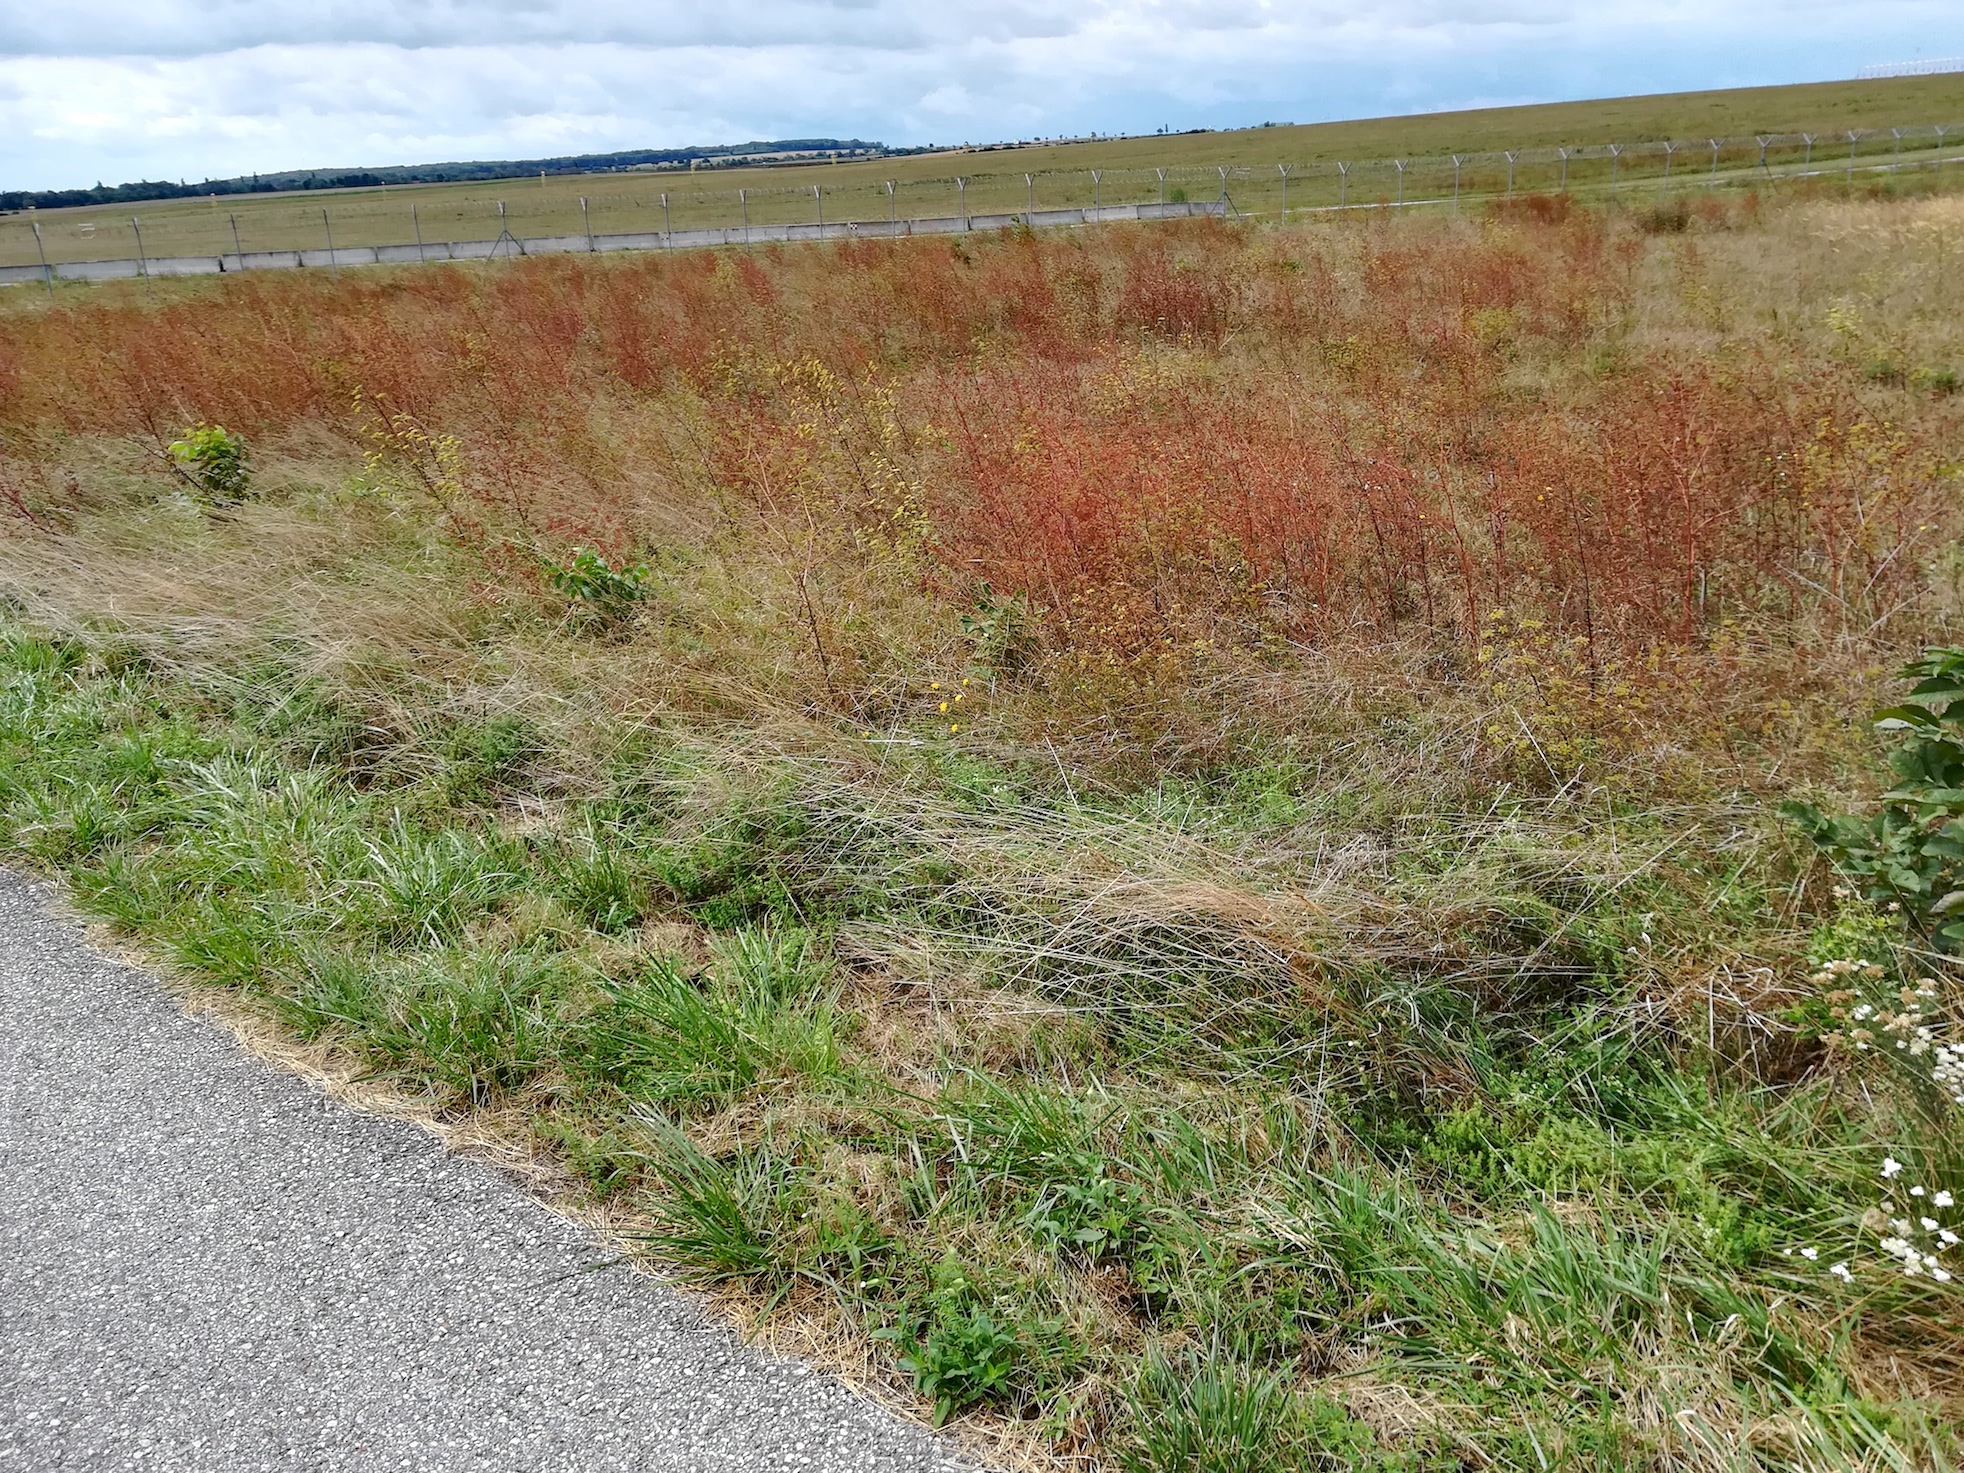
<point x="1129" y="171"/>
<point x="1168" y="841"/>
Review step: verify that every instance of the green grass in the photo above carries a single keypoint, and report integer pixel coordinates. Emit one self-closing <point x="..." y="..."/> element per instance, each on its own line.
<point x="1128" y="168"/>
<point x="1102" y="1175"/>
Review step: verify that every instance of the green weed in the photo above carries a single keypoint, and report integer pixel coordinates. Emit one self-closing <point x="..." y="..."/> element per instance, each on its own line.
<point x="215" y="462"/>
<point x="606" y="593"/>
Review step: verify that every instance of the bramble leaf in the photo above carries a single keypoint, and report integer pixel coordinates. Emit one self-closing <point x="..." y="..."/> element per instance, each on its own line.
<point x="1910" y="855"/>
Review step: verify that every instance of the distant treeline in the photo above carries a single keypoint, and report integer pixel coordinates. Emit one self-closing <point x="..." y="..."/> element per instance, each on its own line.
<point x="724" y="156"/>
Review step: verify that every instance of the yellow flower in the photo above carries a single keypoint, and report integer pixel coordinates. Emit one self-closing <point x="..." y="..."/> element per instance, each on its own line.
<point x="956" y="727"/>
<point x="935" y="686"/>
<point x="944" y="708"/>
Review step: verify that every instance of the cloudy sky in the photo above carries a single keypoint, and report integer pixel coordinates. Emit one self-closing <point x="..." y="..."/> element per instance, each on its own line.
<point x="123" y="89"/>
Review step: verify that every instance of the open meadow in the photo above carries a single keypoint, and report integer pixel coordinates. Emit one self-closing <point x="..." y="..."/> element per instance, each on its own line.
<point x="1166" y="841"/>
<point x="1764" y="134"/>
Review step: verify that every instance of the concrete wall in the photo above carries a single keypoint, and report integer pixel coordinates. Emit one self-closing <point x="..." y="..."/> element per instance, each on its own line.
<point x="678" y="240"/>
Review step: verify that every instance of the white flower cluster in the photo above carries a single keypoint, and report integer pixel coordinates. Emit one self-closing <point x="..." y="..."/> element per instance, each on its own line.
<point x="1917" y="1243"/>
<point x="1875" y="1015"/>
<point x="1919" y="1240"/>
<point x="1949" y="1072"/>
<point x="1908" y="1019"/>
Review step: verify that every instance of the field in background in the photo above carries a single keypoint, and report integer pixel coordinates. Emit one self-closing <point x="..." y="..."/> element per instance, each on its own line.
<point x="1162" y="840"/>
<point x="1128" y="168"/>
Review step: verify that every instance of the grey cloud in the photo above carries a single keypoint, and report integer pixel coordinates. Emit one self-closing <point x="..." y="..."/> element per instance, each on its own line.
<point x="337" y="85"/>
<point x="198" y="27"/>
<point x="186" y="27"/>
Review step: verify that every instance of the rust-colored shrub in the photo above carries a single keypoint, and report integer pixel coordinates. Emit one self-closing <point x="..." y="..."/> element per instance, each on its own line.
<point x="1192" y="439"/>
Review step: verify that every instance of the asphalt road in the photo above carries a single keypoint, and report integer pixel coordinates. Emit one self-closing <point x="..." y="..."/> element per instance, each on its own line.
<point x="207" y="1264"/>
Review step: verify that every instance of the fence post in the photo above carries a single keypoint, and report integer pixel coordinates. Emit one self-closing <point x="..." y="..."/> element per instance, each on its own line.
<point x="1284" y="172"/>
<point x="1030" y="197"/>
<point x="667" y="234"/>
<point x="142" y="256"/>
<point x="47" y="272"/>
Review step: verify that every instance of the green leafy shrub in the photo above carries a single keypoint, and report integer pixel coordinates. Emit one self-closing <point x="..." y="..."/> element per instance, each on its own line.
<point x="215" y="461"/>
<point x="1910" y="856"/>
<point x="608" y="592"/>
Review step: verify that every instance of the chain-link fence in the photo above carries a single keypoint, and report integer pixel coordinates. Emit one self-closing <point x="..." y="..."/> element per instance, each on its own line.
<point x="657" y="211"/>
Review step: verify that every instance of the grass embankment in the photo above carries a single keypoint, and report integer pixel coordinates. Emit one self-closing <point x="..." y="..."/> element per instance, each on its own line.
<point x="1128" y="168"/>
<point x="1177" y="835"/>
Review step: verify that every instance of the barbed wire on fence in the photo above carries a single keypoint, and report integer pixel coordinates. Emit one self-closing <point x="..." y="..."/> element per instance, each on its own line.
<point x="667" y="213"/>
<point x="1929" y="68"/>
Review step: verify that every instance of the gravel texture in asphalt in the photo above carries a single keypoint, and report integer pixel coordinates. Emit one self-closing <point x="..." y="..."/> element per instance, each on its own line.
<point x="208" y="1264"/>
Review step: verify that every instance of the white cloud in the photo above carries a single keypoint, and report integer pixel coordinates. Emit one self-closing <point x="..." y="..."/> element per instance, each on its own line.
<point x="116" y="89"/>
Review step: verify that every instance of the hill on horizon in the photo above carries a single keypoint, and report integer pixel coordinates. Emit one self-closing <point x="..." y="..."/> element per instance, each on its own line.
<point x="773" y="151"/>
